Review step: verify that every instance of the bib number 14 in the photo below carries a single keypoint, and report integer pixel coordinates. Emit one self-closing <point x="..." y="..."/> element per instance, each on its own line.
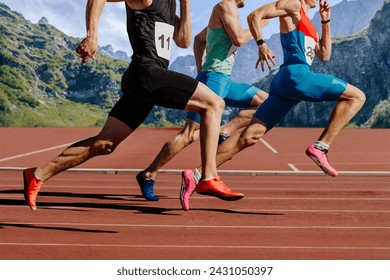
<point x="163" y="39"/>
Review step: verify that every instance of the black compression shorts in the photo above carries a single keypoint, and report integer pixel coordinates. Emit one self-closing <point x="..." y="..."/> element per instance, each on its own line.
<point x="146" y="86"/>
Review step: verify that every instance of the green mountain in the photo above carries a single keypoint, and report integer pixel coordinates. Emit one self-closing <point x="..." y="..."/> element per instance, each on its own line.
<point x="42" y="81"/>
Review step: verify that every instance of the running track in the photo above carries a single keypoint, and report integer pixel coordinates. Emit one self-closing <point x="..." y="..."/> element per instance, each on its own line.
<point x="291" y="210"/>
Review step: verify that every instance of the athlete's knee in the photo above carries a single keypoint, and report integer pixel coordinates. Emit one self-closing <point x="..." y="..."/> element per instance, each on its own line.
<point x="360" y="97"/>
<point x="217" y="103"/>
<point x="189" y="138"/>
<point x="250" y="136"/>
<point x="354" y="95"/>
<point x="103" y="147"/>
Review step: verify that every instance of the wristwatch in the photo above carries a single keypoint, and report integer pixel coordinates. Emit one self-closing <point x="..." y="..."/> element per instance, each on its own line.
<point x="260" y="42"/>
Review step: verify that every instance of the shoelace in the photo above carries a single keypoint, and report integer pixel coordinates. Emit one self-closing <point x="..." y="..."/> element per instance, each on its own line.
<point x="223" y="185"/>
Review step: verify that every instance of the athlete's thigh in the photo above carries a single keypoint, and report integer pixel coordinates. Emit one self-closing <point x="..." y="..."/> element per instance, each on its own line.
<point x="274" y="109"/>
<point x="170" y="89"/>
<point x="322" y="87"/>
<point x="240" y="95"/>
<point x="218" y="83"/>
<point x="203" y="98"/>
<point x="131" y="111"/>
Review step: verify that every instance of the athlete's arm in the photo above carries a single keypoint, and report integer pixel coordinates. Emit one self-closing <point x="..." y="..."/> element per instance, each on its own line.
<point x="229" y="18"/>
<point x="183" y="28"/>
<point x="324" y="45"/>
<point x="199" y="48"/>
<point x="89" y="46"/>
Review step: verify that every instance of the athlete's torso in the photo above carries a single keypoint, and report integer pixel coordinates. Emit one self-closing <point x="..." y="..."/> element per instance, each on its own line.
<point x="220" y="52"/>
<point x="299" y="45"/>
<point x="151" y="31"/>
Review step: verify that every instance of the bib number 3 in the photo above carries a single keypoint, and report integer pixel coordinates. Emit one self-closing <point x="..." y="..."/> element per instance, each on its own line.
<point x="163" y="39"/>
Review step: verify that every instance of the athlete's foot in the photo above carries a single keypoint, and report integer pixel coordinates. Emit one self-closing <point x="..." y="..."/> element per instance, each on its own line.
<point x="321" y="159"/>
<point x="147" y="187"/>
<point x="217" y="188"/>
<point x="222" y="138"/>
<point x="32" y="185"/>
<point x="187" y="188"/>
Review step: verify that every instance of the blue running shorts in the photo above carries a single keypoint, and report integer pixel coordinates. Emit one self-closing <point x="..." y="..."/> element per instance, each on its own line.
<point x="237" y="95"/>
<point x="295" y="83"/>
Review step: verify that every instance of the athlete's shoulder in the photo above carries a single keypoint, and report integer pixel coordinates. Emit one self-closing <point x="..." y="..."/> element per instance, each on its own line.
<point x="290" y="6"/>
<point x="138" y="4"/>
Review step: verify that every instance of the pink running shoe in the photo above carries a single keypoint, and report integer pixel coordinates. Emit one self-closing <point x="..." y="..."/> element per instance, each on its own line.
<point x="187" y="188"/>
<point x="321" y="159"/>
<point x="32" y="185"/>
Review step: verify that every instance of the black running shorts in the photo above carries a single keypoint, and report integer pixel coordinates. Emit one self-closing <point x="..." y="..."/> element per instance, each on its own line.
<point x="146" y="86"/>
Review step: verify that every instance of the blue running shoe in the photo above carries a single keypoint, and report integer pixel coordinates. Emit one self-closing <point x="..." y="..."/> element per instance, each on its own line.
<point x="146" y="187"/>
<point x="222" y="138"/>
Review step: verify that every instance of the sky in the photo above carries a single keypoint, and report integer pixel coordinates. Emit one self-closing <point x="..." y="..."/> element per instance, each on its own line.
<point x="69" y="17"/>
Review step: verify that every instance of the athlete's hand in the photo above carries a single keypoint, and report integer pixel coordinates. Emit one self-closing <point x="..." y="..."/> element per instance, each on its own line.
<point x="87" y="48"/>
<point x="265" y="55"/>
<point x="324" y="10"/>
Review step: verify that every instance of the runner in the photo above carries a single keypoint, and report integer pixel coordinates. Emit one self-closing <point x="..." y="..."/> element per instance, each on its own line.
<point x="152" y="27"/>
<point x="221" y="40"/>
<point x="293" y="83"/>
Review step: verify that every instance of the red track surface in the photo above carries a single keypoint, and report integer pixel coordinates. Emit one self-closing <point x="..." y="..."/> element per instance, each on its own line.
<point x="87" y="215"/>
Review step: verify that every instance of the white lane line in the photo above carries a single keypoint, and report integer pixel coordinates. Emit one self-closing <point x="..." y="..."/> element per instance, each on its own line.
<point x="227" y="172"/>
<point x="293" y="167"/>
<point x="359" y="211"/>
<point x="196" y="246"/>
<point x="36" y="152"/>
<point x="193" y="226"/>
<point x="268" y="146"/>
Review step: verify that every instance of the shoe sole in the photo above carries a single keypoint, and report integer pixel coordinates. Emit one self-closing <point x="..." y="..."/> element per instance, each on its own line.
<point x="182" y="190"/>
<point x="227" y="198"/>
<point x="318" y="162"/>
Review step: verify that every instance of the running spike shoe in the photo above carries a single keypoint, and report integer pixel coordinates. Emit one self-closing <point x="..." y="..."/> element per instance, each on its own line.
<point x="187" y="188"/>
<point x="147" y="187"/>
<point x="32" y="186"/>
<point x="321" y="159"/>
<point x="217" y="188"/>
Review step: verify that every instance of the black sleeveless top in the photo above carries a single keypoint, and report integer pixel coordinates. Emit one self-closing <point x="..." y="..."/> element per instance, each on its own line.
<point x="150" y="32"/>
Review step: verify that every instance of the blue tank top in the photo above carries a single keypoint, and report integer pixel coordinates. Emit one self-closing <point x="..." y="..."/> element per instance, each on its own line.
<point x="299" y="44"/>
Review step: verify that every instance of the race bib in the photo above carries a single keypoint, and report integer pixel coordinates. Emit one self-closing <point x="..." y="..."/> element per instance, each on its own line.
<point x="163" y="36"/>
<point x="310" y="53"/>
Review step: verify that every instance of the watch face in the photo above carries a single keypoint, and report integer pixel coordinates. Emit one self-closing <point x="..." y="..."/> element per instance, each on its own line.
<point x="260" y="42"/>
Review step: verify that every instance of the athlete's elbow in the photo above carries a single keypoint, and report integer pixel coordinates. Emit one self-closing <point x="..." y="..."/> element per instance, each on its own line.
<point x="254" y="19"/>
<point x="325" y="58"/>
<point x="239" y="42"/>
<point x="251" y="18"/>
<point x="185" y="43"/>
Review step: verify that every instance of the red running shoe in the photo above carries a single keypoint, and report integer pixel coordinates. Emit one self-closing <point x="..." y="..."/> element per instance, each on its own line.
<point x="321" y="159"/>
<point x="217" y="188"/>
<point x="32" y="185"/>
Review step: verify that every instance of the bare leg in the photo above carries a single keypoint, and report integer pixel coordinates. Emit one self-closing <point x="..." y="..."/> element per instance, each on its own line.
<point x="210" y="107"/>
<point x="238" y="142"/>
<point x="350" y="102"/>
<point x="185" y="137"/>
<point x="244" y="116"/>
<point x="113" y="133"/>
